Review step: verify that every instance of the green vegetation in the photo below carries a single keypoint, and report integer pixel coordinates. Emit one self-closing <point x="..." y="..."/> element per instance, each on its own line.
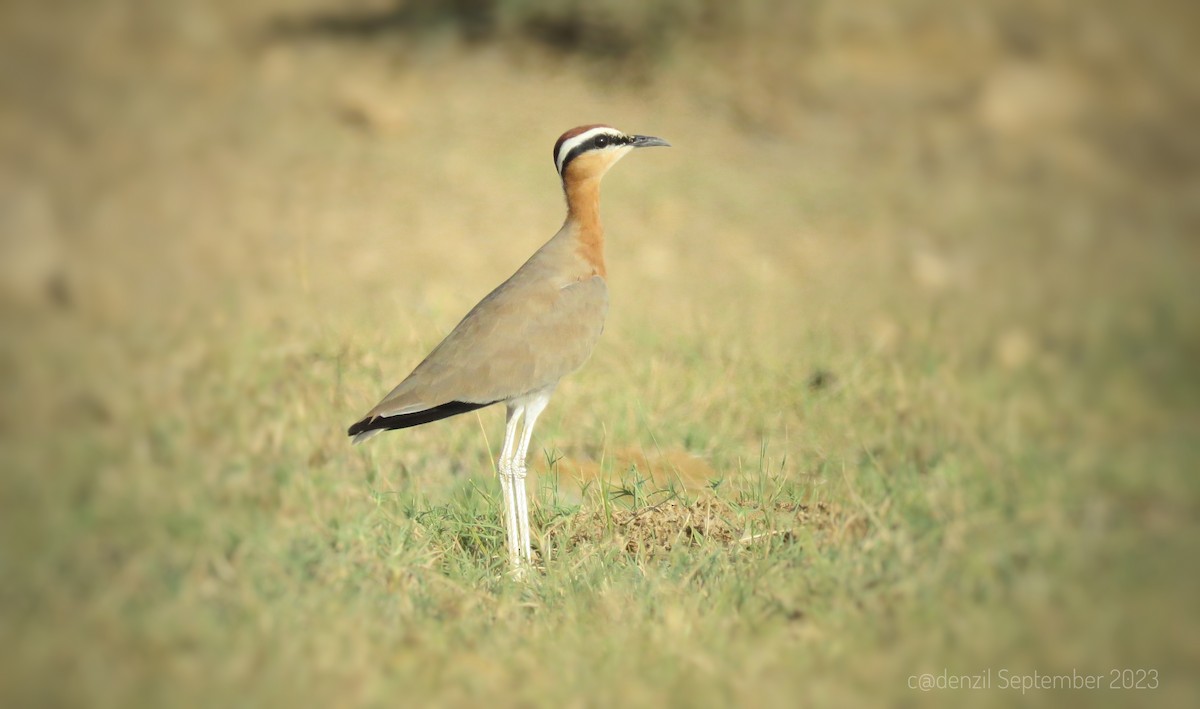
<point x="900" y="375"/>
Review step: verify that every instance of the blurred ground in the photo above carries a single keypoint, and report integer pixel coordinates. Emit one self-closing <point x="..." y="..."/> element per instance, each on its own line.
<point x="936" y="245"/>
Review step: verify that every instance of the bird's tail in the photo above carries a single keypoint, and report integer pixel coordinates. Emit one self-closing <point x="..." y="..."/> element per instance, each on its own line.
<point x="364" y="435"/>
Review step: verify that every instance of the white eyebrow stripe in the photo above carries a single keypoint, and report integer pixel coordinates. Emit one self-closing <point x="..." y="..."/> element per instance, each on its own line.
<point x="568" y="145"/>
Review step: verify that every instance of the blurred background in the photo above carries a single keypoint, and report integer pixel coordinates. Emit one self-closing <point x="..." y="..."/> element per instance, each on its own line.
<point x="930" y="230"/>
<point x="1024" y="167"/>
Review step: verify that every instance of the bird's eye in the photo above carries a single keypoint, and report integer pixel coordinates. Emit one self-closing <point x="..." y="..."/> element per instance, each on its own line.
<point x="602" y="141"/>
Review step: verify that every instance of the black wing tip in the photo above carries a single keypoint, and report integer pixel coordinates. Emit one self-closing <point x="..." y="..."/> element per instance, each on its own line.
<point x="393" y="423"/>
<point x="362" y="426"/>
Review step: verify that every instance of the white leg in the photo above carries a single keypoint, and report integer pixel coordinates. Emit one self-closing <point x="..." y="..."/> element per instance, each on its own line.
<point x="533" y="409"/>
<point x="522" y="514"/>
<point x="507" y="474"/>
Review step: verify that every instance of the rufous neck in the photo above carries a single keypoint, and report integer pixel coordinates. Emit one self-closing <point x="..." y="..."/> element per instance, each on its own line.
<point x="583" y="212"/>
<point x="583" y="203"/>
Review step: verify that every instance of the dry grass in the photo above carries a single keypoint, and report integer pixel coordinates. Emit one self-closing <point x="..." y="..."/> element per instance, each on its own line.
<point x="899" y="376"/>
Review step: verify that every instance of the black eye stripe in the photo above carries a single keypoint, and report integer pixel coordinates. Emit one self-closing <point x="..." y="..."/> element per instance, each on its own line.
<point x="604" y="140"/>
<point x="599" y="142"/>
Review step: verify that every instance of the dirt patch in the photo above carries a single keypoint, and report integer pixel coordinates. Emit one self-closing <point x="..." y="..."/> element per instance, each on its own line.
<point x="708" y="520"/>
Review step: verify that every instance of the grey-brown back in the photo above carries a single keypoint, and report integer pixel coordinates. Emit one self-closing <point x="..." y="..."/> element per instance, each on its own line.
<point x="538" y="326"/>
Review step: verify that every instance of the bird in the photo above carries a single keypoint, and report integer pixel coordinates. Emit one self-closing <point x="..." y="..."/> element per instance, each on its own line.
<point x="536" y="327"/>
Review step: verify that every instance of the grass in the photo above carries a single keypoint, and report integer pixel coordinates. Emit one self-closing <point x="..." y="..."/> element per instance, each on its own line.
<point x="899" y="377"/>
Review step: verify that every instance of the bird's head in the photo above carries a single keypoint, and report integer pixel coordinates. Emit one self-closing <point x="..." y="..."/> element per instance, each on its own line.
<point x="588" y="151"/>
